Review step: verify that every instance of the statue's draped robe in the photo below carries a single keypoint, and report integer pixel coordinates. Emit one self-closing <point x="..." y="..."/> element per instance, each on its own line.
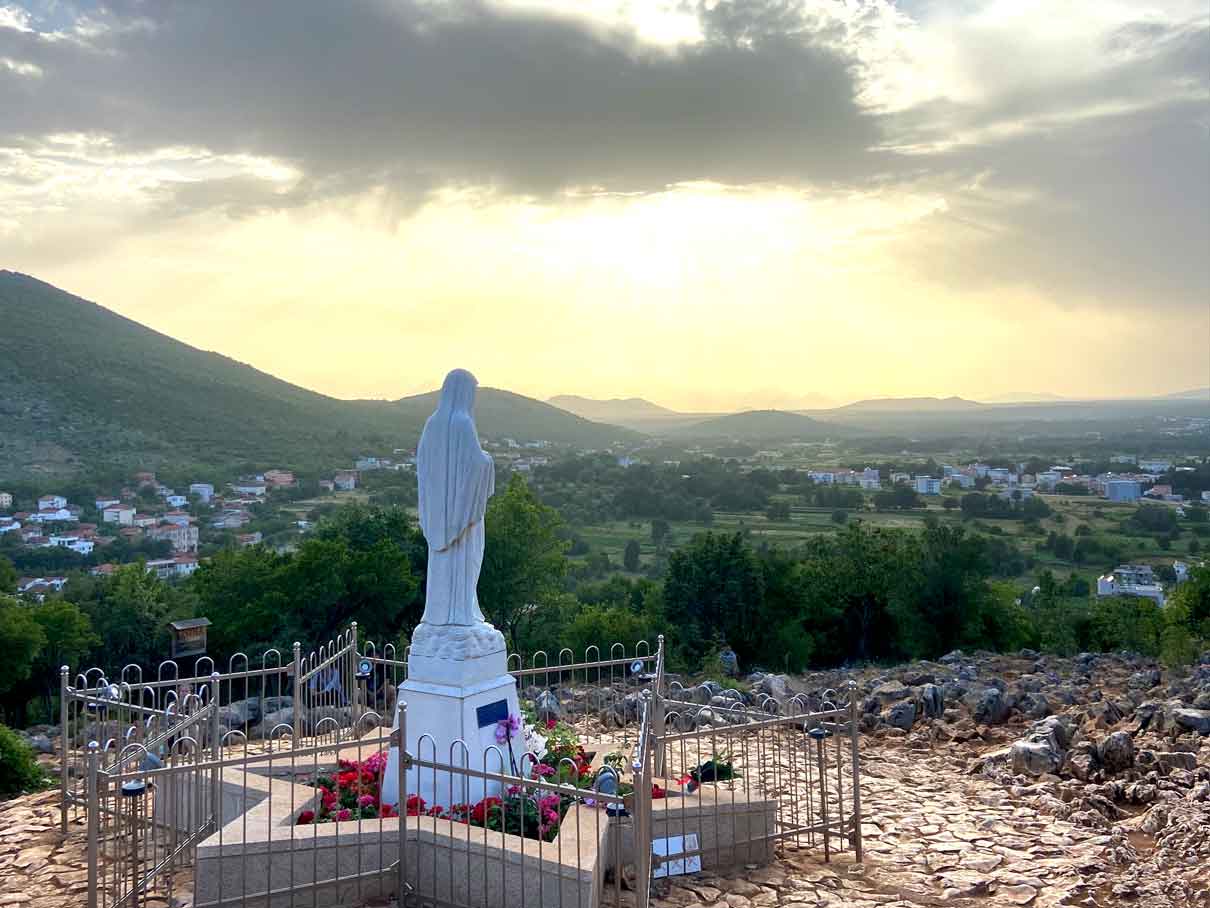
<point x="456" y="478"/>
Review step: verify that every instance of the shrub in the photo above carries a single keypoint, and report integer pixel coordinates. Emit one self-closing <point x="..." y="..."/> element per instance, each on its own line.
<point x="19" y="770"/>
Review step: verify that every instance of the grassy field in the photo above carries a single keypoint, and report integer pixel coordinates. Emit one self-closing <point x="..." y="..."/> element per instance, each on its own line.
<point x="1102" y="517"/>
<point x="304" y="506"/>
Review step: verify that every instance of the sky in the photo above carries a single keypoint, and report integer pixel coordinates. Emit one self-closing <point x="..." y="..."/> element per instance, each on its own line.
<point x="714" y="204"/>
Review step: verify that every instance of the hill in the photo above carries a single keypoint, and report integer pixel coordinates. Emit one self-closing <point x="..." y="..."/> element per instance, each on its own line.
<point x="616" y="410"/>
<point x="1022" y="397"/>
<point x="500" y="414"/>
<point x="759" y="425"/>
<point x="1195" y="394"/>
<point x="88" y="389"/>
<point x="911" y="405"/>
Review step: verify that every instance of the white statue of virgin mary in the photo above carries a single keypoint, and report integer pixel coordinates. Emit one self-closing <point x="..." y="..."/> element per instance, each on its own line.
<point x="455" y="479"/>
<point x="457" y="662"/>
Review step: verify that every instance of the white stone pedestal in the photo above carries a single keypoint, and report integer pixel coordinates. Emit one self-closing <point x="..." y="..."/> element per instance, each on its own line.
<point x="458" y="685"/>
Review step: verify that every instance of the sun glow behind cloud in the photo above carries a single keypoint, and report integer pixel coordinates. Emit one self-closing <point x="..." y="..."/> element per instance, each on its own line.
<point x="962" y="223"/>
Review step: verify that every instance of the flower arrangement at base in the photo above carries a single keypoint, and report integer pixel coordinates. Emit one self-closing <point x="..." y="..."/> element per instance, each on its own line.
<point x="352" y="794"/>
<point x="527" y="809"/>
<point x="355" y="794"/>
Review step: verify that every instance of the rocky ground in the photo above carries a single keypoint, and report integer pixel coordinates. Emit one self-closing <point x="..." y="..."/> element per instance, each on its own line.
<point x="987" y="781"/>
<point x="1010" y="780"/>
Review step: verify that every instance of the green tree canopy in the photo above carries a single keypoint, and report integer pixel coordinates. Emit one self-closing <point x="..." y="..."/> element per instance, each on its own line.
<point x="360" y="565"/>
<point x="523" y="561"/>
<point x="630" y="557"/>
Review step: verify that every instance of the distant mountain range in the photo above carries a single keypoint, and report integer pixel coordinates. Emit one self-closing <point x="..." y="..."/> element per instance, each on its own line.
<point x="757" y="426"/>
<point x="83" y="388"/>
<point x="500" y="414"/>
<point x="911" y="405"/>
<point x="86" y="388"/>
<point x="619" y="410"/>
<point x="1022" y="397"/>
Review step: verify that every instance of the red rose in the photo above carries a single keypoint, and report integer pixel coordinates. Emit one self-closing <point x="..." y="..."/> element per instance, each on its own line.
<point x="307" y="816"/>
<point x="479" y="812"/>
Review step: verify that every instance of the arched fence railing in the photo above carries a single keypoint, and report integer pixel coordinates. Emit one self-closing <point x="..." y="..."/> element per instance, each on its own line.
<point x="217" y="780"/>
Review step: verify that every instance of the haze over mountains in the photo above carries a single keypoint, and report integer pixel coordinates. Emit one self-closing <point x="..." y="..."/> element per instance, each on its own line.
<point x="87" y="388"/>
<point x="616" y="410"/>
<point x="912" y="405"/>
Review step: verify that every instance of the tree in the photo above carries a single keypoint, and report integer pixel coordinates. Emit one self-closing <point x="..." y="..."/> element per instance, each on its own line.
<point x="67" y="639"/>
<point x="630" y="557"/>
<point x="130" y="613"/>
<point x="846" y="587"/>
<point x="839" y="516"/>
<point x="1194" y="597"/>
<point x="1194" y="546"/>
<point x="19" y="769"/>
<point x="523" y="564"/>
<point x="1178" y="645"/>
<point x="21" y="640"/>
<point x="1061" y="623"/>
<point x="659" y="530"/>
<point x="1063" y="546"/>
<point x="714" y="588"/>
<point x="362" y="564"/>
<point x="1034" y="507"/>
<point x="614" y="610"/>
<point x="902" y="497"/>
<point x="8" y="576"/>
<point x="949" y="502"/>
<point x="1154" y="518"/>
<point x="778" y="510"/>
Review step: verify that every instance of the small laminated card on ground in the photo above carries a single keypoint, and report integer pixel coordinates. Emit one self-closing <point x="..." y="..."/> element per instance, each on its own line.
<point x="668" y="849"/>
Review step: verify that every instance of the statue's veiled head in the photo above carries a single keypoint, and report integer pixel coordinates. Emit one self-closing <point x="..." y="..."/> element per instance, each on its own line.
<point x="458" y="392"/>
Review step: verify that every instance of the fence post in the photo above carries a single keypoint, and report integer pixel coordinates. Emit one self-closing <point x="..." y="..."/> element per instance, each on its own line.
<point x="354" y="692"/>
<point x="658" y="715"/>
<point x="216" y="754"/>
<point x="298" y="695"/>
<point x="94" y="813"/>
<point x="642" y="828"/>
<point x="854" y="738"/>
<point x="398" y="739"/>
<point x="64" y="750"/>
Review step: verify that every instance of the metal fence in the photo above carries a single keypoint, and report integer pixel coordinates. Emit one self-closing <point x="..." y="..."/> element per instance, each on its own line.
<point x="207" y="782"/>
<point x="774" y="779"/>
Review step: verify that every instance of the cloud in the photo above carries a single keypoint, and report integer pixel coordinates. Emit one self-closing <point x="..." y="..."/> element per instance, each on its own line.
<point x="1084" y="179"/>
<point x="1062" y="148"/>
<point x="408" y="93"/>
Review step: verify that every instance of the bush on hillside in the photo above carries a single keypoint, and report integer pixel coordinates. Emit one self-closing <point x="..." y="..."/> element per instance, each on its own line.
<point x="19" y="769"/>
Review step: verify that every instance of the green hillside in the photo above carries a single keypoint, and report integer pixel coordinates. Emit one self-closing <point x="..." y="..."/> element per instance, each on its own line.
<point x="87" y="389"/>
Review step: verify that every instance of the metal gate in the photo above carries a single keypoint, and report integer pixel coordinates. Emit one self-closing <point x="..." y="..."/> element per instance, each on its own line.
<point x="736" y="784"/>
<point x="149" y="808"/>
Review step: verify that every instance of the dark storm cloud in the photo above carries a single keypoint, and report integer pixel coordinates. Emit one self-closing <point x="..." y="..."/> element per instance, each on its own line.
<point x="1090" y="184"/>
<point x="413" y="94"/>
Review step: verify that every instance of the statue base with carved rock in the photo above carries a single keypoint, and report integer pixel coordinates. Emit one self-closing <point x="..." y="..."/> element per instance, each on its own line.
<point x="457" y="693"/>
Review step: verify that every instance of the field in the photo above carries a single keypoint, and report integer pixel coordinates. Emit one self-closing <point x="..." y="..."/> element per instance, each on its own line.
<point x="1103" y="518"/>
